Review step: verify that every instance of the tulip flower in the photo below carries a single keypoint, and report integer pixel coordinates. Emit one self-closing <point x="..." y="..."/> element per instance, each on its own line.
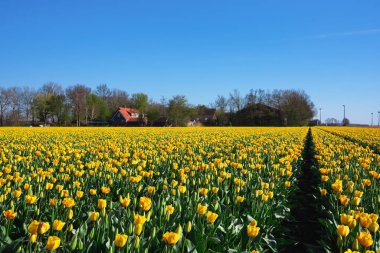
<point x="120" y="240"/>
<point x="53" y="243"/>
<point x="170" y="238"/>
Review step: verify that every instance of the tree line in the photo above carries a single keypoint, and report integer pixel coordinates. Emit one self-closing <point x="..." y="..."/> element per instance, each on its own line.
<point x="80" y="105"/>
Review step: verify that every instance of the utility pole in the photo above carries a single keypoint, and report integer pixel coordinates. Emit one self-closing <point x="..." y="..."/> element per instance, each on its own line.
<point x="378" y="118"/>
<point x="371" y="118"/>
<point x="320" y="116"/>
<point x="344" y="113"/>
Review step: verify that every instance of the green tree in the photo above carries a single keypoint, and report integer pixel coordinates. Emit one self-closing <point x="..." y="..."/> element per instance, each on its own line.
<point x="97" y="108"/>
<point x="179" y="111"/>
<point x="297" y="107"/>
<point x="153" y="113"/>
<point x="140" y="102"/>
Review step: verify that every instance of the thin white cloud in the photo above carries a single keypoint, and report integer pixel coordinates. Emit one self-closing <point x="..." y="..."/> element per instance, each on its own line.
<point x="343" y="34"/>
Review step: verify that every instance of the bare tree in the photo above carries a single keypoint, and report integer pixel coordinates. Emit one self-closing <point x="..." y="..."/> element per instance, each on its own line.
<point x="27" y="96"/>
<point x="250" y="98"/>
<point x="15" y="105"/>
<point x="235" y="100"/>
<point x="5" y="95"/>
<point x="118" y="98"/>
<point x="221" y="103"/>
<point x="103" y="92"/>
<point x="78" y="98"/>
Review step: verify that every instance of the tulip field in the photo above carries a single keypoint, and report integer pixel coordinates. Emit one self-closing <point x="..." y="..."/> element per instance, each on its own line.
<point x="350" y="176"/>
<point x="182" y="189"/>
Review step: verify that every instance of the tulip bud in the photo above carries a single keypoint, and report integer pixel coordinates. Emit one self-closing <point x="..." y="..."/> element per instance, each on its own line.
<point x="149" y="215"/>
<point x="130" y="228"/>
<point x="340" y="241"/>
<point x="188" y="227"/>
<point x="153" y="234"/>
<point x="136" y="243"/>
<point x="80" y="244"/>
<point x="33" y="238"/>
<point x="374" y="227"/>
<point x="92" y="233"/>
<point x="216" y="207"/>
<point x="179" y="230"/>
<point x="74" y="243"/>
<point x="71" y="227"/>
<point x="355" y="245"/>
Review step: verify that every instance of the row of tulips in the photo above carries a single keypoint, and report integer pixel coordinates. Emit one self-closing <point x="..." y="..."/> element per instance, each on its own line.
<point x="367" y="137"/>
<point x="349" y="186"/>
<point x="145" y="189"/>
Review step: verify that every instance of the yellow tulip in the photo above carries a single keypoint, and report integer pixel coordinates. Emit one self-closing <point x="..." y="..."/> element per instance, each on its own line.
<point x="120" y="240"/>
<point x="94" y="216"/>
<point x="68" y="202"/>
<point x="139" y="219"/>
<point x="169" y="209"/>
<point x="343" y="230"/>
<point x="201" y="210"/>
<point x="43" y="227"/>
<point x="102" y="203"/>
<point x="33" y="227"/>
<point x="145" y="203"/>
<point x="105" y="190"/>
<point x="170" y="238"/>
<point x="9" y="214"/>
<point x="203" y="191"/>
<point x="53" y="243"/>
<point x="211" y="217"/>
<point x="138" y="229"/>
<point x="33" y="238"/>
<point x="252" y="231"/>
<point x="365" y="239"/>
<point x="79" y="194"/>
<point x="30" y="199"/>
<point x="17" y="193"/>
<point x="58" y="225"/>
<point x="373" y="227"/>
<point x="125" y="201"/>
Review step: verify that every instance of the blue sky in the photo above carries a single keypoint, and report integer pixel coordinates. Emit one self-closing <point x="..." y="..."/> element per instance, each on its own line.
<point x="330" y="49"/>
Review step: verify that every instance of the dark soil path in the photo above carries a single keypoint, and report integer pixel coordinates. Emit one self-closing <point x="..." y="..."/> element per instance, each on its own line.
<point x="303" y="232"/>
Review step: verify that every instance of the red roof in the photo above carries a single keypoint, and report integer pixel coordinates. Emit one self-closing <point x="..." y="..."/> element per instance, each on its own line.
<point x="129" y="114"/>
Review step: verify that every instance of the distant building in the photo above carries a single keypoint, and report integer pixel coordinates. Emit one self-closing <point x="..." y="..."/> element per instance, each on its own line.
<point x="259" y="115"/>
<point x="162" y="121"/>
<point x="125" y="116"/>
<point x="204" y="117"/>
